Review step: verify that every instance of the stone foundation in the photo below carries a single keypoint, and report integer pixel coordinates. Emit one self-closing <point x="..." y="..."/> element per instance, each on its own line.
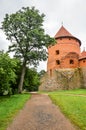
<point x="83" y="72"/>
<point x="64" y="79"/>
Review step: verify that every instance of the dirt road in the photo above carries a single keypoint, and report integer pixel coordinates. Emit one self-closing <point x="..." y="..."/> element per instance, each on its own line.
<point x="40" y="114"/>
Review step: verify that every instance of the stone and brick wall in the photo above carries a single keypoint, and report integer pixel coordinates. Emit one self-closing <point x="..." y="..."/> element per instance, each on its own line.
<point x="64" y="79"/>
<point x="83" y="72"/>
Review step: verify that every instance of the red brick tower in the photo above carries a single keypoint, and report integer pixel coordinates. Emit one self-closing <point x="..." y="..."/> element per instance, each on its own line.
<point x="63" y="62"/>
<point x="65" y="53"/>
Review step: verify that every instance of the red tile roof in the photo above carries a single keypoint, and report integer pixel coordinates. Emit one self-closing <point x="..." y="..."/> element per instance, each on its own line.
<point x="63" y="32"/>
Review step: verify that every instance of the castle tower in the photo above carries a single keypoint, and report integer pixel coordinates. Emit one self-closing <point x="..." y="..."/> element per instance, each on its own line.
<point x="65" y="53"/>
<point x="66" y="66"/>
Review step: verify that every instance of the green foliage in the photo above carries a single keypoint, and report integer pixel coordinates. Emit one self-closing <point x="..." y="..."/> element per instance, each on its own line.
<point x="7" y="73"/>
<point x="9" y="107"/>
<point x="72" y="104"/>
<point x="25" y="31"/>
<point x="10" y="71"/>
<point x="41" y="73"/>
<point x="17" y="69"/>
<point x="32" y="81"/>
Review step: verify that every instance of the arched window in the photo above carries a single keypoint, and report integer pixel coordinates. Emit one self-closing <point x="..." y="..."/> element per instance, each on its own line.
<point x="71" y="61"/>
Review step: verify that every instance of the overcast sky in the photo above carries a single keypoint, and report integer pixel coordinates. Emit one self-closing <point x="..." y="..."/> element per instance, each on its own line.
<point x="72" y="13"/>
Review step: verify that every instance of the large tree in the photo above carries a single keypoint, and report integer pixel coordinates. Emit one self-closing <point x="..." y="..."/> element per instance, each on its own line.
<point x="25" y="31"/>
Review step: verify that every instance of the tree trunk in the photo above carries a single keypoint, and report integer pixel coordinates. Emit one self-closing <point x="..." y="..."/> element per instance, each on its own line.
<point x="20" y="86"/>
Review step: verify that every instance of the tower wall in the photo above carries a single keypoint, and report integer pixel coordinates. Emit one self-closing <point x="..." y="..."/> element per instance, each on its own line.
<point x="82" y="63"/>
<point x="60" y="50"/>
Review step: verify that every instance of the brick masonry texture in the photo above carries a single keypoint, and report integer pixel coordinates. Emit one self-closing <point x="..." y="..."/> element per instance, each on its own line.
<point x="66" y="66"/>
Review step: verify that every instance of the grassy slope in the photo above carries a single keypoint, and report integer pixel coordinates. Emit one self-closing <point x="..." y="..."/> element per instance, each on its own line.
<point x="72" y="105"/>
<point x="9" y="107"/>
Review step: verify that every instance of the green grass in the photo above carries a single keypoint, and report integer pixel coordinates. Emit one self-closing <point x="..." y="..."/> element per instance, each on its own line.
<point x="72" y="104"/>
<point x="75" y="91"/>
<point x="9" y="107"/>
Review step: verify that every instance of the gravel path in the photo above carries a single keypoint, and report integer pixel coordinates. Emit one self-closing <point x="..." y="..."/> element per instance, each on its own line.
<point x="40" y="114"/>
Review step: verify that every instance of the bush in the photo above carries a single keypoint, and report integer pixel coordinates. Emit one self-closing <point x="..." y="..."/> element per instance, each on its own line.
<point x="7" y="73"/>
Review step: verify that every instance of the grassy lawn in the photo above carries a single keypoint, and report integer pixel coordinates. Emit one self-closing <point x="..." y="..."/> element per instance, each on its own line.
<point x="72" y="104"/>
<point x="9" y="106"/>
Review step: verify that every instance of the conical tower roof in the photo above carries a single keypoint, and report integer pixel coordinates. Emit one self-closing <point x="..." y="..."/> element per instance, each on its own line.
<point x="63" y="33"/>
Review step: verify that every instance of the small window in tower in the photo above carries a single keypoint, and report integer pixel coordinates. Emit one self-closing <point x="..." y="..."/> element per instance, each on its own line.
<point x="57" y="52"/>
<point x="58" y="62"/>
<point x="71" y="61"/>
<point x="83" y="60"/>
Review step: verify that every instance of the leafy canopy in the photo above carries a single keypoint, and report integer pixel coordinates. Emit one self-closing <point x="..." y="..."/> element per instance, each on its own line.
<point x="25" y="31"/>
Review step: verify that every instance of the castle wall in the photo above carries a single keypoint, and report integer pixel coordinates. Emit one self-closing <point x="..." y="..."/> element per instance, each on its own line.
<point x="63" y="79"/>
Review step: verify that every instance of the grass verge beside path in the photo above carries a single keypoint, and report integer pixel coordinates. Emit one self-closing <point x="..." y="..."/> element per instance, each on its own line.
<point x="72" y="105"/>
<point x="9" y="106"/>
